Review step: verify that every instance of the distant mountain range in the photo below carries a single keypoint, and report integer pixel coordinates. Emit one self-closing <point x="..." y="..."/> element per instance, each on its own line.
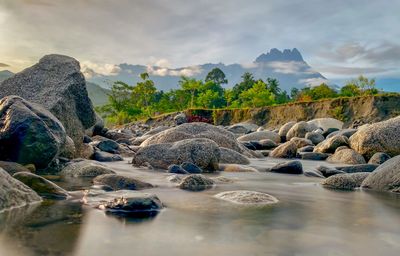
<point x="288" y="66"/>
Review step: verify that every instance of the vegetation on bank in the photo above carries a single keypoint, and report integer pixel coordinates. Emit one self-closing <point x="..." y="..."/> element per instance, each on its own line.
<point x="132" y="102"/>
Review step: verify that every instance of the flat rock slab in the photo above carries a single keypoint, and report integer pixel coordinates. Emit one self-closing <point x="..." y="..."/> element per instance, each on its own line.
<point x="248" y="198"/>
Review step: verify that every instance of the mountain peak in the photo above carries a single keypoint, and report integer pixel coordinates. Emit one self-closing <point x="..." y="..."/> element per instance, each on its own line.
<point x="277" y="55"/>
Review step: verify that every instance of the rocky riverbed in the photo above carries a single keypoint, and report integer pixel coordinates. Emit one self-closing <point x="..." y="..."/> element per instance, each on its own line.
<point x="71" y="186"/>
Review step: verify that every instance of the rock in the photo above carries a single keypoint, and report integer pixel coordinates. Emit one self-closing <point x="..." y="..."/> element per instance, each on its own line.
<point x="299" y="130"/>
<point x="315" y="137"/>
<point x="180" y="119"/>
<point x="120" y="182"/>
<point x="40" y="185"/>
<point x="12" y="167"/>
<point x="313" y="156"/>
<point x="379" y="137"/>
<point x="156" y="130"/>
<point x="191" y="168"/>
<point x="176" y="169"/>
<point x="285" y="129"/>
<point x="386" y="177"/>
<point x="340" y="181"/>
<point x="291" y="167"/>
<point x="177" y="178"/>
<point x="313" y="173"/>
<point x="14" y="193"/>
<point x="118" y="135"/>
<point x="102" y="156"/>
<point x="236" y="168"/>
<point x="87" y="151"/>
<point x="340" y="148"/>
<point x="29" y="134"/>
<point x="346" y="156"/>
<point x="377" y="158"/>
<point x="249" y="145"/>
<point x="328" y="171"/>
<point x="242" y="128"/>
<point x="329" y="131"/>
<point x="87" y="139"/>
<point x="204" y="153"/>
<point x="345" y="181"/>
<point x="56" y="83"/>
<point x="85" y="168"/>
<point x="68" y="150"/>
<point x="105" y="144"/>
<point x="331" y="144"/>
<point x="306" y="149"/>
<point x="229" y="156"/>
<point x="196" y="182"/>
<point x="285" y="150"/>
<point x="358" y="168"/>
<point x="126" y="203"/>
<point x="301" y="142"/>
<point x="219" y="135"/>
<point x="265" y="152"/>
<point x="257" y="136"/>
<point x="345" y="132"/>
<point x="326" y="123"/>
<point x="267" y="144"/>
<point x="248" y="198"/>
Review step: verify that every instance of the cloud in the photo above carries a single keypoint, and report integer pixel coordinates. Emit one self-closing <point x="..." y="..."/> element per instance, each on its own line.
<point x="314" y="81"/>
<point x="4" y="65"/>
<point x="290" y="67"/>
<point x="163" y="71"/>
<point x="341" y="70"/>
<point x="91" y="69"/>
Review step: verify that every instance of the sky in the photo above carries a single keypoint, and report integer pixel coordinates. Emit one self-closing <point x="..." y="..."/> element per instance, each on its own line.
<point x="339" y="38"/>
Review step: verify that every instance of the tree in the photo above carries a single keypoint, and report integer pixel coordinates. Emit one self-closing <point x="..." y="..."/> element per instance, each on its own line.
<point x="350" y="90"/>
<point x="366" y="86"/>
<point x="322" y="91"/>
<point x="257" y="96"/>
<point x="217" y="76"/>
<point x="246" y="83"/>
<point x="190" y="85"/>
<point x="209" y="99"/>
<point x="144" y="92"/>
<point x="294" y="93"/>
<point x="273" y="86"/>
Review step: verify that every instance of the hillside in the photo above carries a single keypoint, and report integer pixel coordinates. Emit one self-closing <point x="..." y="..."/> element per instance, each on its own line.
<point x="288" y="66"/>
<point x="97" y="94"/>
<point x="365" y="109"/>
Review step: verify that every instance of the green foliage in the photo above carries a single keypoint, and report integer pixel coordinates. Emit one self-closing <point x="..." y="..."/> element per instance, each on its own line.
<point x="217" y="76"/>
<point x="128" y="103"/>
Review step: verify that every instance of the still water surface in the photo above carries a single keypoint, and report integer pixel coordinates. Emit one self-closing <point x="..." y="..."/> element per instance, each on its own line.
<point x="308" y="220"/>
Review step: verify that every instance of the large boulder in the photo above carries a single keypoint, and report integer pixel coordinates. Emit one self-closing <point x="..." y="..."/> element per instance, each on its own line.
<point x="330" y="145"/>
<point x="14" y="193"/>
<point x="326" y="123"/>
<point x="29" y="134"/>
<point x="345" y="132"/>
<point x="229" y="156"/>
<point x="196" y="182"/>
<point x="346" y="156"/>
<point x="257" y="136"/>
<point x="377" y="158"/>
<point x="300" y="130"/>
<point x="42" y="186"/>
<point x="315" y="137"/>
<point x="285" y="150"/>
<point x="248" y="198"/>
<point x="285" y="129"/>
<point x="12" y="167"/>
<point x="345" y="181"/>
<point x="242" y="128"/>
<point x="386" y="177"/>
<point x="204" y="153"/>
<point x="379" y="137"/>
<point x="219" y="135"/>
<point x="85" y="168"/>
<point x="291" y="167"/>
<point x="120" y="182"/>
<point x="56" y="83"/>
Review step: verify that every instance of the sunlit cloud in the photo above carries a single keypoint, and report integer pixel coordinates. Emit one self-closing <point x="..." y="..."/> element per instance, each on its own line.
<point x="90" y="69"/>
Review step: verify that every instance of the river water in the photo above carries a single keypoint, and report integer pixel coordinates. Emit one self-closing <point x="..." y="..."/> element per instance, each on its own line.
<point x="308" y="220"/>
